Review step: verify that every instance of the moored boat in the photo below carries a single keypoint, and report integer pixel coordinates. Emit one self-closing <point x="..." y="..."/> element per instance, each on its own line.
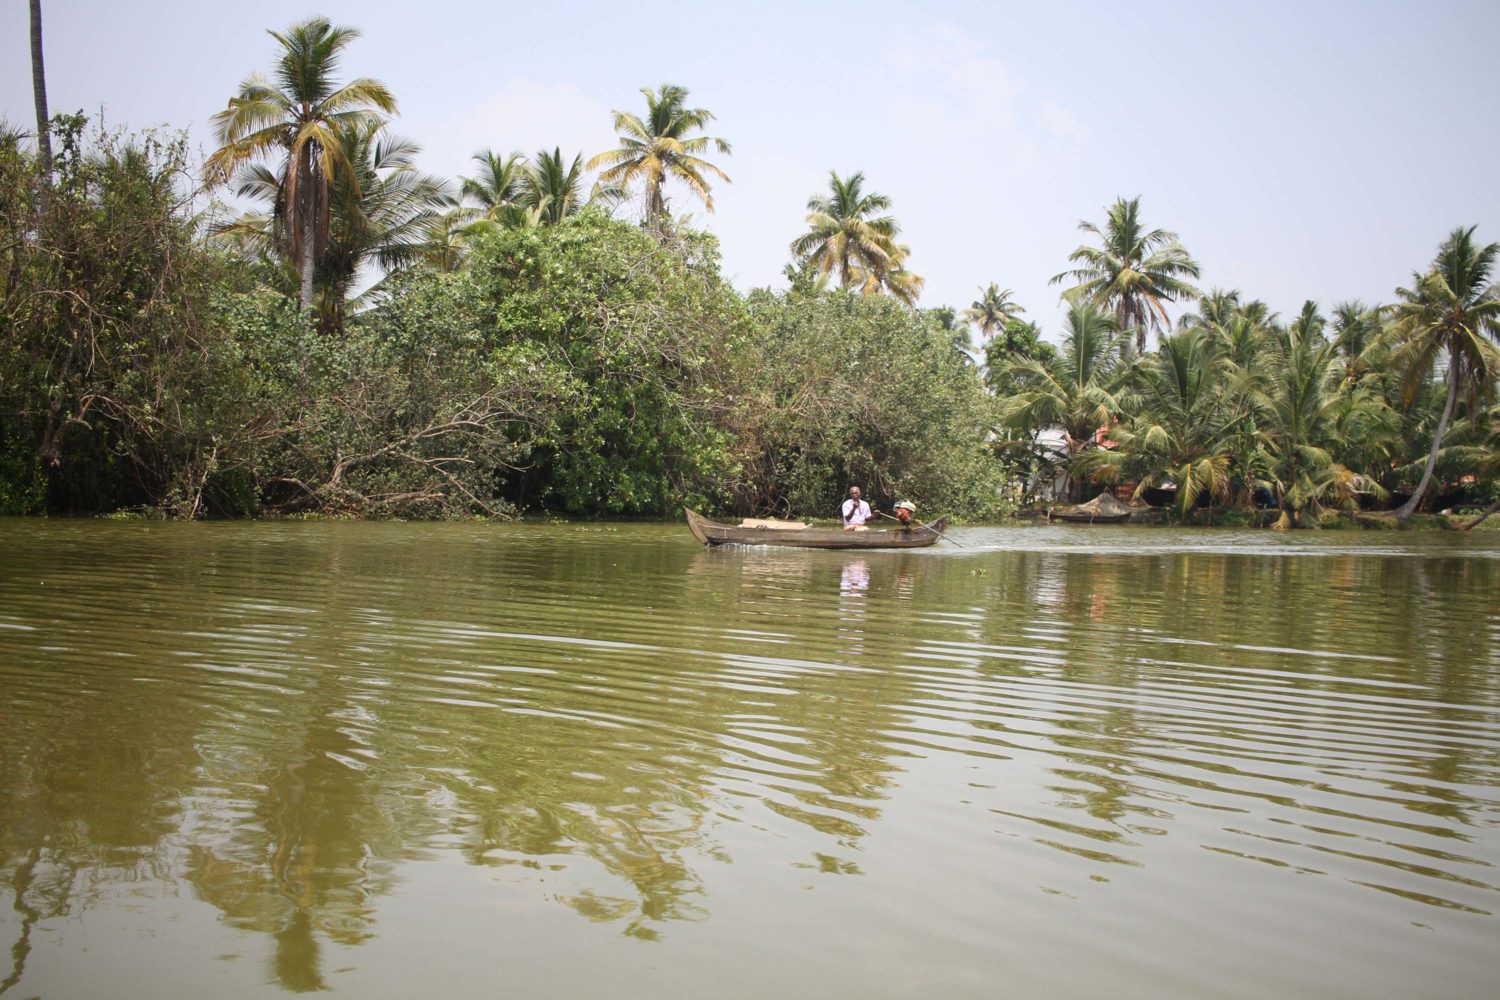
<point x="1103" y="509"/>
<point x="802" y="537"/>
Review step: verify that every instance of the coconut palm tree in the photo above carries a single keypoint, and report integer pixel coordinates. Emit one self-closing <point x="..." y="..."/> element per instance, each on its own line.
<point x="1307" y="410"/>
<point x="498" y="184"/>
<point x="389" y="214"/>
<point x="1451" y="311"/>
<point x="896" y="279"/>
<point x="992" y="310"/>
<point x="552" y="187"/>
<point x="843" y="238"/>
<point x="902" y="283"/>
<point x="1358" y="336"/>
<point x="659" y="147"/>
<point x="1074" y="391"/>
<point x="1133" y="272"/>
<point x="1214" y="307"/>
<point x="296" y="120"/>
<point x="1188" y="428"/>
<point x="1226" y="319"/>
<point x="446" y="241"/>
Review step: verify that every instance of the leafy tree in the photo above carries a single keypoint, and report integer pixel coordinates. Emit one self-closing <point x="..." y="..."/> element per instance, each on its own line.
<point x="805" y="279"/>
<point x="118" y="384"/>
<point x="660" y="147"/>
<point x="644" y="342"/>
<point x="1133" y="272"/>
<point x="414" y="412"/>
<point x="296" y="122"/>
<point x="1016" y="341"/>
<point x="947" y="319"/>
<point x="851" y="389"/>
<point x="1451" y="310"/>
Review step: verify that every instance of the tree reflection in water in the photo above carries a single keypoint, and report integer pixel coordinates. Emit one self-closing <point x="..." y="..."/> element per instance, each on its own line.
<point x="589" y="719"/>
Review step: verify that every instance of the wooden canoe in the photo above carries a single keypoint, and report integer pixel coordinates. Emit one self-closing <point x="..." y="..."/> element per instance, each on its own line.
<point x="1090" y="518"/>
<point x="712" y="533"/>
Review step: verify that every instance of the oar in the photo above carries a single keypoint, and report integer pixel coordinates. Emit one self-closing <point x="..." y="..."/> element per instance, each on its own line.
<point x="943" y="536"/>
<point x="939" y="533"/>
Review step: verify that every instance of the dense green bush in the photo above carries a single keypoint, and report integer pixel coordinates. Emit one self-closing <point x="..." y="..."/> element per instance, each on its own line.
<point x="861" y="390"/>
<point x="591" y="367"/>
<point x="118" y="377"/>
<point x="643" y="344"/>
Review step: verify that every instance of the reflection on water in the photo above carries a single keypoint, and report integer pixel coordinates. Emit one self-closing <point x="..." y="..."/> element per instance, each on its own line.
<point x="856" y="577"/>
<point x="1206" y="763"/>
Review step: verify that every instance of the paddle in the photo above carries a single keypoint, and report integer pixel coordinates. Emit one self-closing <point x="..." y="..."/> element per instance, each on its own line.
<point x="945" y="537"/>
<point x="929" y="526"/>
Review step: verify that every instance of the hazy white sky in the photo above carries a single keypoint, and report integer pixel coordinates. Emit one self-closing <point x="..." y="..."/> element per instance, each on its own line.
<point x="1301" y="150"/>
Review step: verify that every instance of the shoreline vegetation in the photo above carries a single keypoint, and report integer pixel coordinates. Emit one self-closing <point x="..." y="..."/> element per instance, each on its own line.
<point x="368" y="340"/>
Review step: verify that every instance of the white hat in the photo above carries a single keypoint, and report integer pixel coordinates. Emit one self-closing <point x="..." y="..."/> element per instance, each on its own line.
<point x="907" y="505"/>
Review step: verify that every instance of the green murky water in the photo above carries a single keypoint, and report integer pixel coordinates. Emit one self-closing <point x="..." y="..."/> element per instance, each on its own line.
<point x="582" y="761"/>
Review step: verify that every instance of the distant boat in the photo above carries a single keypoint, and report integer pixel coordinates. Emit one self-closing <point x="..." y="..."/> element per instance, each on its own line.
<point x="1103" y="509"/>
<point x="800" y="536"/>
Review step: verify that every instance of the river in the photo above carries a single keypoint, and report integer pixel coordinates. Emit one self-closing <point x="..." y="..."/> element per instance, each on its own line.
<point x="589" y="760"/>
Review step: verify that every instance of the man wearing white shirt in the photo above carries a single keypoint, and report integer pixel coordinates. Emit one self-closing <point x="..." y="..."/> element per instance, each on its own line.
<point x="856" y="512"/>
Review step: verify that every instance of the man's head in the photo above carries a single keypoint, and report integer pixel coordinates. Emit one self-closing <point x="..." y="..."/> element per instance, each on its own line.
<point x="854" y="492"/>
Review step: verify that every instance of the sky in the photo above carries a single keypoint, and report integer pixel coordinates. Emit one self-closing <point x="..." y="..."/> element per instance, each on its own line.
<point x="1306" y="150"/>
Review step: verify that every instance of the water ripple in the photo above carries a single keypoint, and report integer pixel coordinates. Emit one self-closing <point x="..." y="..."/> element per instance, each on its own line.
<point x="312" y="709"/>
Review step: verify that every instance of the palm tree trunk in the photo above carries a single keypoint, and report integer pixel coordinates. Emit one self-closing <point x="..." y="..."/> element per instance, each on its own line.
<point x="656" y="206"/>
<point x="39" y="93"/>
<point x="1437" y="442"/>
<point x="309" y="233"/>
<point x="307" y="202"/>
<point x="1127" y="339"/>
<point x="1480" y="519"/>
<point x="306" y="205"/>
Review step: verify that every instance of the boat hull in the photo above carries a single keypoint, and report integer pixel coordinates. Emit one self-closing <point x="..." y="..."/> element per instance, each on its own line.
<point x="713" y="533"/>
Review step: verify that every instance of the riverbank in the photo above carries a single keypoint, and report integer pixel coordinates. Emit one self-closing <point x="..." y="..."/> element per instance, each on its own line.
<point x="1150" y="517"/>
<point x="1331" y="521"/>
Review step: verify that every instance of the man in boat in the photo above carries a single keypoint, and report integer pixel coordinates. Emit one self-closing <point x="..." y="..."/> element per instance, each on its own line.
<point x="906" y="511"/>
<point x="855" y="511"/>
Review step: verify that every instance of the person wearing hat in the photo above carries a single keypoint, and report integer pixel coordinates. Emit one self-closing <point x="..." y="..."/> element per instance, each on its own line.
<point x="906" y="511"/>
